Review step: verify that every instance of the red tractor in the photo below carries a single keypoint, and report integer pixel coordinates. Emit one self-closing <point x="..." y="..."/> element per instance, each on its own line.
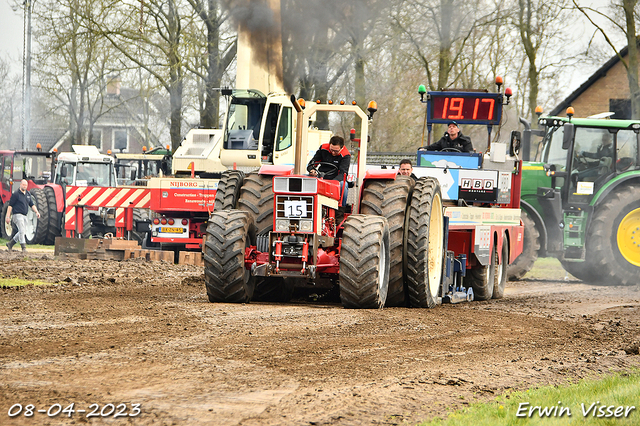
<point x="37" y="168"/>
<point x="277" y="229"/>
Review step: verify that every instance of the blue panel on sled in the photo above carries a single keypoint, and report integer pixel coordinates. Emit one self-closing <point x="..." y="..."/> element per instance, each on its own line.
<point x="464" y="160"/>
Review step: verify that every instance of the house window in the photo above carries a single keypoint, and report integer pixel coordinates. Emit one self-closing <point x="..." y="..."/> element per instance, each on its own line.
<point x="621" y="107"/>
<point x="96" y="139"/>
<point x="120" y="141"/>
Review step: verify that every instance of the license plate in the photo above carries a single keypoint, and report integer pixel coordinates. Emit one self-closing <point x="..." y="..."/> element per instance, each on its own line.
<point x="167" y="230"/>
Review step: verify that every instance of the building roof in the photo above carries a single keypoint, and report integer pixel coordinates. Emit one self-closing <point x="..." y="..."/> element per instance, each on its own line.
<point x="601" y="72"/>
<point x="47" y="138"/>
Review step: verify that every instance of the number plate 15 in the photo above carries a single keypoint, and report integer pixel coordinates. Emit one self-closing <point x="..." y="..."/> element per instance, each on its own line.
<point x="295" y="208"/>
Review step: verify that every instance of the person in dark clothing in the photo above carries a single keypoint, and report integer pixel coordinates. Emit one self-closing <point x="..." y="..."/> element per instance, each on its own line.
<point x="19" y="205"/>
<point x="599" y="162"/>
<point x="332" y="160"/>
<point x="605" y="149"/>
<point x="406" y="169"/>
<point x="453" y="140"/>
<point x="334" y="153"/>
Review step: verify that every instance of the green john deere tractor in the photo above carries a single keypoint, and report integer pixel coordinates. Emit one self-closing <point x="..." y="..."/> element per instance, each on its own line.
<point x="581" y="198"/>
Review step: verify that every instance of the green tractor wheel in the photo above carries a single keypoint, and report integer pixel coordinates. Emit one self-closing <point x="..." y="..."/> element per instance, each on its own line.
<point x="613" y="243"/>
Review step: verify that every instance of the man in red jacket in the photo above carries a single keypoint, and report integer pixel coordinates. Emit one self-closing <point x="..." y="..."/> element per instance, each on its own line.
<point x="332" y="162"/>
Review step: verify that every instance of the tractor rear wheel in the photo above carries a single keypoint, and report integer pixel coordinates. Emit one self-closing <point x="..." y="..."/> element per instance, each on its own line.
<point x="530" y="247"/>
<point x="425" y="244"/>
<point x="364" y="262"/>
<point x="42" y="223"/>
<point x="482" y="279"/>
<point x="256" y="198"/>
<point x="613" y="242"/>
<point x="228" y="190"/>
<point x="500" y="276"/>
<point x="54" y="229"/>
<point x="229" y="233"/>
<point x="389" y="198"/>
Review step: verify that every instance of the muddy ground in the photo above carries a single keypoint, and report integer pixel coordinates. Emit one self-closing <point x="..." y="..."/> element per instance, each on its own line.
<point x="144" y="333"/>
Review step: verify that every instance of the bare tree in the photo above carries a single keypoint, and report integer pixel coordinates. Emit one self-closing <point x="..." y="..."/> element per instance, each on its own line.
<point x="627" y="7"/>
<point x="9" y="107"/>
<point x="214" y="60"/>
<point x="73" y="63"/>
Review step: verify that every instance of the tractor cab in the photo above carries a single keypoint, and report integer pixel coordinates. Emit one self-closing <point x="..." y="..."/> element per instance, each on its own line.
<point x="582" y="155"/>
<point x="86" y="166"/>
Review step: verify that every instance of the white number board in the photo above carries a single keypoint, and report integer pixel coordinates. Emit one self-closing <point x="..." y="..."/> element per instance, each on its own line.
<point x="295" y="208"/>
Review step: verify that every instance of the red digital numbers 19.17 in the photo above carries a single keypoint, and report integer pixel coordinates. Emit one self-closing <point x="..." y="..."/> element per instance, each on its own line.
<point x="464" y="108"/>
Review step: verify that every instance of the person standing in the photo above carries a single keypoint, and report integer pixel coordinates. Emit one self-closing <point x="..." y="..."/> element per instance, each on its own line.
<point x="19" y="205"/>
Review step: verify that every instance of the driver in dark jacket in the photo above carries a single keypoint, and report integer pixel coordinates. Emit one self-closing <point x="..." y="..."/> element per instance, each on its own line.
<point x="453" y="139"/>
<point x="334" y="153"/>
<point x="332" y="160"/>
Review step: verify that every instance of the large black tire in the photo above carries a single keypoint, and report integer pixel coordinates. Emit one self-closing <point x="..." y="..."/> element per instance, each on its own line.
<point x="256" y="198"/>
<point x="42" y="223"/>
<point x="6" y="229"/>
<point x="55" y="218"/>
<point x="530" y="247"/>
<point x="500" y="276"/>
<point x="613" y="241"/>
<point x="482" y="278"/>
<point x="364" y="262"/>
<point x="228" y="190"/>
<point x="389" y="198"/>
<point x="87" y="226"/>
<point x="226" y="279"/>
<point x="425" y="244"/>
<point x="139" y="215"/>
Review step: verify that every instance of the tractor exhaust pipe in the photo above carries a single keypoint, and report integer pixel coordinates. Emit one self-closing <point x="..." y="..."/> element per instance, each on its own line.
<point x="298" y="166"/>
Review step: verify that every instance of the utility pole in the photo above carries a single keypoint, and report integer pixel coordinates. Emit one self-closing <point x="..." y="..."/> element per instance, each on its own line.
<point x="26" y="100"/>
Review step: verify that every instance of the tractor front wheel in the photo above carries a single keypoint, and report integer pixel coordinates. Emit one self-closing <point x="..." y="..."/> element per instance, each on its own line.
<point x="229" y="234"/>
<point x="364" y="262"/>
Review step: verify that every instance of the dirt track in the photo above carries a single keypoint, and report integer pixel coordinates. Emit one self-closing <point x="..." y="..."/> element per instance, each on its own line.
<point x="135" y="332"/>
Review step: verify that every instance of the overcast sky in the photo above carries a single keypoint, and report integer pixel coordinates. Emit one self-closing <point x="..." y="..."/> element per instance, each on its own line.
<point x="10" y="32"/>
<point x="11" y="36"/>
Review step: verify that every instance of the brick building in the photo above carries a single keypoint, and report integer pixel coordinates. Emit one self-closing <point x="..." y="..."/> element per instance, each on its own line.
<point x="607" y="90"/>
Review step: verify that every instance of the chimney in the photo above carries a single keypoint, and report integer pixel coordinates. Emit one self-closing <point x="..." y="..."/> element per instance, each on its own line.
<point x="113" y="85"/>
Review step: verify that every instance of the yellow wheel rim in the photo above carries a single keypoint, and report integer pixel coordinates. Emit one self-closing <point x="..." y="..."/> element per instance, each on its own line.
<point x="629" y="237"/>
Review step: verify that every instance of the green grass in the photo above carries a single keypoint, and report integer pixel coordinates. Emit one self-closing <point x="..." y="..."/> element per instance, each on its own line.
<point x="32" y="246"/>
<point x="17" y="282"/>
<point x="616" y="390"/>
<point x="546" y="268"/>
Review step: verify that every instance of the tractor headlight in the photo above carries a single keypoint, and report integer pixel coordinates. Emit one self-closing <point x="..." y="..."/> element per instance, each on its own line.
<point x="282" y="225"/>
<point x="306" y="225"/>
